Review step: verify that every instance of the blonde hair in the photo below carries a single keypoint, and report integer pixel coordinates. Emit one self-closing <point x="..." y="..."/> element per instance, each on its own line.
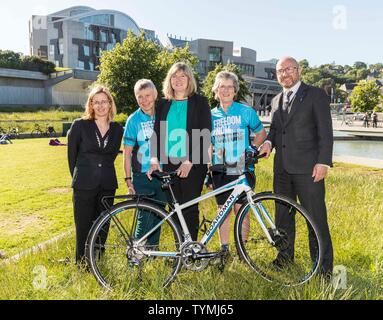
<point x="225" y="75"/>
<point x="89" y="113"/>
<point x="168" y="90"/>
<point x="145" y="84"/>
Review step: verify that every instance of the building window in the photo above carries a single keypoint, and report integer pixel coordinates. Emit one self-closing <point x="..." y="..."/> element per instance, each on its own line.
<point x="113" y="38"/>
<point x="103" y="36"/>
<point x="61" y="48"/>
<point x="52" y="50"/>
<point x="43" y="52"/>
<point x="215" y="56"/>
<point x="110" y="46"/>
<point x="99" y="19"/>
<point x="57" y="63"/>
<point x="201" y="67"/>
<point x="81" y="65"/>
<point x="247" y="69"/>
<point x="86" y="51"/>
<point x="89" y="34"/>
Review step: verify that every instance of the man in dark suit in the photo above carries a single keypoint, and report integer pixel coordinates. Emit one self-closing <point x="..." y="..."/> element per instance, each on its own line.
<point x="301" y="132"/>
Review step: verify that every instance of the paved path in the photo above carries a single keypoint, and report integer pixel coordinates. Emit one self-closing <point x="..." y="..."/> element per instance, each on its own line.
<point x="358" y="129"/>
<point x="374" y="163"/>
<point x="36" y="248"/>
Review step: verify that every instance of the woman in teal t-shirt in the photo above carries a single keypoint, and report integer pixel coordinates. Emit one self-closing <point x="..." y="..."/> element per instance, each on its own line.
<point x="178" y="117"/>
<point x="136" y="141"/>
<point x="232" y="123"/>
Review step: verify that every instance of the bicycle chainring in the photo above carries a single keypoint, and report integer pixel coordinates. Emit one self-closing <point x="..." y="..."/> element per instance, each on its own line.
<point x="190" y="259"/>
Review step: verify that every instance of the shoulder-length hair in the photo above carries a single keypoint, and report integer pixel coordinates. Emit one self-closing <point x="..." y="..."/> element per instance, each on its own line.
<point x="187" y="70"/>
<point x="89" y="113"/>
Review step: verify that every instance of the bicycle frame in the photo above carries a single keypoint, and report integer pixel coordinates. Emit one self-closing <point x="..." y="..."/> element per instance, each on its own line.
<point x="238" y="186"/>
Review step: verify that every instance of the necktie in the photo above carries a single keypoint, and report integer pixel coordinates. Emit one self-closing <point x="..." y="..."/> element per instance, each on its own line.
<point x="286" y="103"/>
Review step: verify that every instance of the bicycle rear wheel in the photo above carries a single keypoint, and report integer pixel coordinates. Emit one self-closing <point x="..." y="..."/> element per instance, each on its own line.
<point x="114" y="256"/>
<point x="296" y="254"/>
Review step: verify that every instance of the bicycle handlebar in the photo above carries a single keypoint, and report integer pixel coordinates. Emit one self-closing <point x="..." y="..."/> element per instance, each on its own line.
<point x="250" y="159"/>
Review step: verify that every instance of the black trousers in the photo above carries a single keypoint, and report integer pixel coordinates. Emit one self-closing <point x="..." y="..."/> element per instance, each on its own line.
<point x="87" y="208"/>
<point x="312" y="197"/>
<point x="186" y="190"/>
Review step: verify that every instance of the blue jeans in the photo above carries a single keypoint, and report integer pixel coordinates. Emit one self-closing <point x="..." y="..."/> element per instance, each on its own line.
<point x="147" y="220"/>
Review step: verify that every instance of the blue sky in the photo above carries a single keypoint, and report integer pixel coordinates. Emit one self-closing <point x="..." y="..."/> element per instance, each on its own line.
<point x="322" y="32"/>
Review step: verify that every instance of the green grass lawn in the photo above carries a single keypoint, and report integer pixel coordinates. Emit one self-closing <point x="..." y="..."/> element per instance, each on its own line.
<point x="35" y="205"/>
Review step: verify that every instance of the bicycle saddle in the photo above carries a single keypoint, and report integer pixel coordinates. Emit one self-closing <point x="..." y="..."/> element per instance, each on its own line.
<point x="163" y="175"/>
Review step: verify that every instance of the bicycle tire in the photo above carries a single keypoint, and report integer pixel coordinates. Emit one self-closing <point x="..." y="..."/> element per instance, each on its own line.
<point x="288" y="262"/>
<point x="109" y="251"/>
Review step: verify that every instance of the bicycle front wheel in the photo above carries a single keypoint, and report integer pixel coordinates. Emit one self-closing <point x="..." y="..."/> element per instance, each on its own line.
<point x="278" y="239"/>
<point x="117" y="259"/>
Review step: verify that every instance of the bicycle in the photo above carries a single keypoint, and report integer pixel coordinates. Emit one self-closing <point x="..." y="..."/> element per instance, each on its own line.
<point x="115" y="255"/>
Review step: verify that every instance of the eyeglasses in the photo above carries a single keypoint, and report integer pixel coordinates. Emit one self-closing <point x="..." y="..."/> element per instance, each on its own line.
<point x="101" y="103"/>
<point x="288" y="70"/>
<point x="228" y="88"/>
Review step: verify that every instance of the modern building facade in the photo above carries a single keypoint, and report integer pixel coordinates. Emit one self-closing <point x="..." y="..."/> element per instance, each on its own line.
<point x="74" y="37"/>
<point x="260" y="75"/>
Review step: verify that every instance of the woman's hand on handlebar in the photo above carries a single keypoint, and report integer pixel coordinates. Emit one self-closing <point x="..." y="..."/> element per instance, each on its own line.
<point x="154" y="166"/>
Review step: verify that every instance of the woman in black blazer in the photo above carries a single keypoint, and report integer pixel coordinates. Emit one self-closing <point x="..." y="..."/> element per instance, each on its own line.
<point x="182" y="138"/>
<point x="93" y="145"/>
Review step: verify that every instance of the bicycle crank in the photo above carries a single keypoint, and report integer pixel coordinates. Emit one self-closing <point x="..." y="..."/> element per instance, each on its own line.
<point x="192" y="256"/>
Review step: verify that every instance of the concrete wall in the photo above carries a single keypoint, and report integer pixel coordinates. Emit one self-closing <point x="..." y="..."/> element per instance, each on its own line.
<point x="19" y="87"/>
<point x="245" y="55"/>
<point x="70" y="92"/>
<point x="72" y="30"/>
<point x="30" y="94"/>
<point x="201" y="48"/>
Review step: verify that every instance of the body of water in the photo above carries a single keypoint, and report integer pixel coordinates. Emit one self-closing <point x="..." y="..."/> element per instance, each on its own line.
<point x="359" y="148"/>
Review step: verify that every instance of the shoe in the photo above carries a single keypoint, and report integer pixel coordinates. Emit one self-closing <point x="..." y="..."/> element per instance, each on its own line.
<point x="225" y="257"/>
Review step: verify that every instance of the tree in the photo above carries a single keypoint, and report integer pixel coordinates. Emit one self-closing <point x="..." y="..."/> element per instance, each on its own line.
<point x="13" y="60"/>
<point x="167" y="58"/>
<point x="123" y="66"/>
<point x="360" y="65"/>
<point x="137" y="58"/>
<point x="365" y="96"/>
<point x="210" y="79"/>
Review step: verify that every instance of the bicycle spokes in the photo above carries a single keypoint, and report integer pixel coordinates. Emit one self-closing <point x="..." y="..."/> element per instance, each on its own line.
<point x="292" y="255"/>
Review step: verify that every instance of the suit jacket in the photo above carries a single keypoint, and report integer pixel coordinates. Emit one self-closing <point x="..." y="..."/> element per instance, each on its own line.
<point x="90" y="165"/>
<point x="305" y="138"/>
<point x="198" y="117"/>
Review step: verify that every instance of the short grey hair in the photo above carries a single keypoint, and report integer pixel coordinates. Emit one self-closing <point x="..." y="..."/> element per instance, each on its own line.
<point x="225" y="75"/>
<point x="144" y="84"/>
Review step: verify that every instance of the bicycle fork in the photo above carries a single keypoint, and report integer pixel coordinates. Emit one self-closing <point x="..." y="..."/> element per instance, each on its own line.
<point x="261" y="216"/>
